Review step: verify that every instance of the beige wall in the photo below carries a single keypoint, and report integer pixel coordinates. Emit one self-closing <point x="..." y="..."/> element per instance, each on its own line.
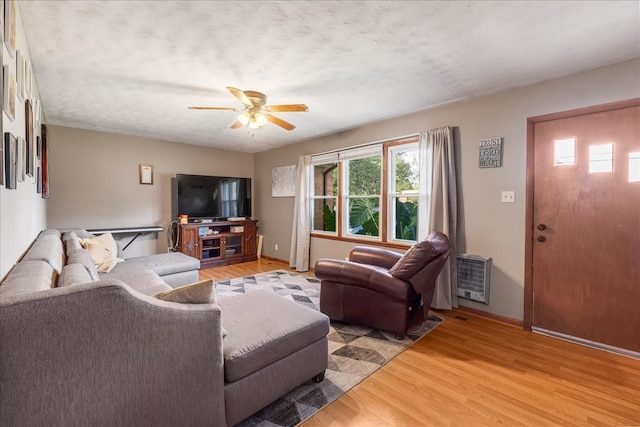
<point x="23" y="210"/>
<point x="95" y="180"/>
<point x="487" y="227"/>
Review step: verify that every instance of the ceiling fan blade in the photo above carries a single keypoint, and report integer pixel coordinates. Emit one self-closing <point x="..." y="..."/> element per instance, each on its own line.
<point x="215" y="108"/>
<point x="285" y="108"/>
<point x="240" y="95"/>
<point x="278" y="121"/>
<point x="236" y="125"/>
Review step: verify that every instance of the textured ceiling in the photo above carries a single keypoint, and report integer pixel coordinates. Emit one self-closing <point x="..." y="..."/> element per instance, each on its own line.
<point x="133" y="67"/>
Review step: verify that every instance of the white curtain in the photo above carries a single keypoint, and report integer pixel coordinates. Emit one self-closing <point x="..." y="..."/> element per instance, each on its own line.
<point x="438" y="197"/>
<point x="301" y="231"/>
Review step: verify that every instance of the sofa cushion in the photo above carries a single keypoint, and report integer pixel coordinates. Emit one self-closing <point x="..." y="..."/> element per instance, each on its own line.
<point x="73" y="274"/>
<point x="81" y="256"/>
<point x="103" y="250"/>
<point x="163" y="264"/>
<point x="143" y="280"/>
<point x="264" y="328"/>
<point x="28" y="276"/>
<point x="47" y="247"/>
<point x="71" y="242"/>
<point x="203" y="292"/>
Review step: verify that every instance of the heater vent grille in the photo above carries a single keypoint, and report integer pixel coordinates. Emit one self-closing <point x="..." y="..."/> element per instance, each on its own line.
<point x="474" y="276"/>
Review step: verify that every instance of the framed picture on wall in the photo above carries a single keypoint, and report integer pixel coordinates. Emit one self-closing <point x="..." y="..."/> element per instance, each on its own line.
<point x="1" y="161"/>
<point x="20" y="159"/>
<point x="9" y="96"/>
<point x="45" y="163"/>
<point x="28" y="124"/>
<point x="20" y="75"/>
<point x="10" y="160"/>
<point x="146" y="174"/>
<point x="10" y="26"/>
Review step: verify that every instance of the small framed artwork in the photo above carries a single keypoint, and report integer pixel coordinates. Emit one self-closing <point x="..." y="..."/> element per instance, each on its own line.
<point x="20" y="74"/>
<point x="38" y="147"/>
<point x="10" y="26"/>
<point x="28" y="120"/>
<point x="21" y="159"/>
<point x="28" y="79"/>
<point x="9" y="86"/>
<point x="1" y="162"/>
<point x="10" y="160"/>
<point x="146" y="174"/>
<point x="44" y="162"/>
<point x="38" y="181"/>
<point x="490" y="153"/>
<point x="283" y="181"/>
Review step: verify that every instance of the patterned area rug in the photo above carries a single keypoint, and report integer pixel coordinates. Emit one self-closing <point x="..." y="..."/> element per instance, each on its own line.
<point x="355" y="352"/>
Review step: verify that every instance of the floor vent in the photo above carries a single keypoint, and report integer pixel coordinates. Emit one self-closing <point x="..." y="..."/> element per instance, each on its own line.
<point x="474" y="276"/>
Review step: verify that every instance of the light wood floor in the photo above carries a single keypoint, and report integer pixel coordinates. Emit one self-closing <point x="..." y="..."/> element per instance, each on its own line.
<point x="475" y="371"/>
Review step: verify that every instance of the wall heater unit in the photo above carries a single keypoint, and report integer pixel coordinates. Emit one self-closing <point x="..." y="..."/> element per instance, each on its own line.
<point x="474" y="276"/>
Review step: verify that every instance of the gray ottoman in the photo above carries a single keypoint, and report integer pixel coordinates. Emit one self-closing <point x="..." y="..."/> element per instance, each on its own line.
<point x="272" y="346"/>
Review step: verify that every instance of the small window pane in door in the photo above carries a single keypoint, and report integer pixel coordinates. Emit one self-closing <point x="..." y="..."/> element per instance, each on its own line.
<point x="565" y="152"/>
<point x="601" y="158"/>
<point x="634" y="166"/>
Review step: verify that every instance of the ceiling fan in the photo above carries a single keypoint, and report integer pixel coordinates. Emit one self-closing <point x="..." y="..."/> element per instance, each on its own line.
<point x="256" y="112"/>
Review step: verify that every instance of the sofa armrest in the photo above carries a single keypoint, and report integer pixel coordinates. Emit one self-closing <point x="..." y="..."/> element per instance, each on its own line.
<point x="374" y="256"/>
<point x="361" y="275"/>
<point x="103" y="354"/>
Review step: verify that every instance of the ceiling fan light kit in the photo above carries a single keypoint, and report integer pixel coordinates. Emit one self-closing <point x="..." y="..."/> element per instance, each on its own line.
<point x="256" y="112"/>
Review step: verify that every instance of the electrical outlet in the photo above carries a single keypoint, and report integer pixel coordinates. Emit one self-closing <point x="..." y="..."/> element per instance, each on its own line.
<point x="508" y="197"/>
<point x="276" y="246"/>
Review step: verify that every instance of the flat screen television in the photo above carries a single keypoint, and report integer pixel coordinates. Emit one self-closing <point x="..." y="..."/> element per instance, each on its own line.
<point x="213" y="197"/>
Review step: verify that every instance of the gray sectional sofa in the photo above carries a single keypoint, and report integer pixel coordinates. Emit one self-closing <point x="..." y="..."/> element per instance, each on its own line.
<point x="79" y="348"/>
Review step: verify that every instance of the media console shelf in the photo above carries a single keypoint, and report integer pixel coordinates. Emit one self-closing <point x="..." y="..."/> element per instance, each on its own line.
<point x="219" y="242"/>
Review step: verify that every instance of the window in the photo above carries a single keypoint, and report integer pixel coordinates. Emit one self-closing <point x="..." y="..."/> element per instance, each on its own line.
<point x="353" y="196"/>
<point x="363" y="178"/>
<point x="634" y="166"/>
<point x="324" y="199"/>
<point x="403" y="191"/>
<point x="601" y="158"/>
<point x="565" y="152"/>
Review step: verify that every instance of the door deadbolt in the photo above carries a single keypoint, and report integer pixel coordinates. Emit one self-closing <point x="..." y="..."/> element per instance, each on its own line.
<point x="542" y="227"/>
<point x="541" y="238"/>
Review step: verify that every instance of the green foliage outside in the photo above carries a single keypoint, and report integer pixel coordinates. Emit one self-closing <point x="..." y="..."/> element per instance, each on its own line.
<point x="365" y="180"/>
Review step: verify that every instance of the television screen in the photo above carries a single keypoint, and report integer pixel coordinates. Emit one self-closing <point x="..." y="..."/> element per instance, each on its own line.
<point x="215" y="197"/>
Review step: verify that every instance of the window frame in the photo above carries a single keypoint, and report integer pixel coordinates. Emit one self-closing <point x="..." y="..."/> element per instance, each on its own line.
<point x="386" y="235"/>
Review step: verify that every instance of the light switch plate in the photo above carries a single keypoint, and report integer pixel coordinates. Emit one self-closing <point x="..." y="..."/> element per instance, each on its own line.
<point x="508" y="197"/>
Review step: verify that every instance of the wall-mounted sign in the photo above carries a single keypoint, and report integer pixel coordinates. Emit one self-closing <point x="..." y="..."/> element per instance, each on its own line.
<point x="490" y="155"/>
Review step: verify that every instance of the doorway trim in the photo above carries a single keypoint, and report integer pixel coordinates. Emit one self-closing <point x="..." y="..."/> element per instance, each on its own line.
<point x="529" y="239"/>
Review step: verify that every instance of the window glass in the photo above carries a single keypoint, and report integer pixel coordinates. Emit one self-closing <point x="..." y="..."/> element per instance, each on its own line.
<point x="363" y="195"/>
<point x="601" y="158"/>
<point x="324" y="199"/>
<point x="565" y="152"/>
<point x="634" y="166"/>
<point x="403" y="191"/>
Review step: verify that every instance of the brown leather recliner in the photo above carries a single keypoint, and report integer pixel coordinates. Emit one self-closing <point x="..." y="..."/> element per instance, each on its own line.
<point x="380" y="288"/>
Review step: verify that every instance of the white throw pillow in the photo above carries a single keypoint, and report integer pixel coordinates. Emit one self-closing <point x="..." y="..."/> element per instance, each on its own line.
<point x="103" y="251"/>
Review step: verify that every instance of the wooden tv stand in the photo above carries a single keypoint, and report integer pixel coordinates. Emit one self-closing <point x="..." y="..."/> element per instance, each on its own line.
<point x="219" y="242"/>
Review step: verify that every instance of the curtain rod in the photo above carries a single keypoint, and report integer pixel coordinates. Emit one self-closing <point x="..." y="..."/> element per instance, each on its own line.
<point x="337" y="150"/>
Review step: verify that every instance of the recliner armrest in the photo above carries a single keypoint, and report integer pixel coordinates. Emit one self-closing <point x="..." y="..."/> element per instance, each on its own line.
<point x="361" y="275"/>
<point x="374" y="256"/>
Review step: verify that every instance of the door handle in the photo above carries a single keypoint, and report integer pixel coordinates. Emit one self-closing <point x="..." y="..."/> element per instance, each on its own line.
<point x="541" y="239"/>
<point x="542" y="227"/>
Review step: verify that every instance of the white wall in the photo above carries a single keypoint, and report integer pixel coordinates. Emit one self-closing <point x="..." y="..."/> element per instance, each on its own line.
<point x="487" y="226"/>
<point x="22" y="210"/>
<point x="95" y="181"/>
